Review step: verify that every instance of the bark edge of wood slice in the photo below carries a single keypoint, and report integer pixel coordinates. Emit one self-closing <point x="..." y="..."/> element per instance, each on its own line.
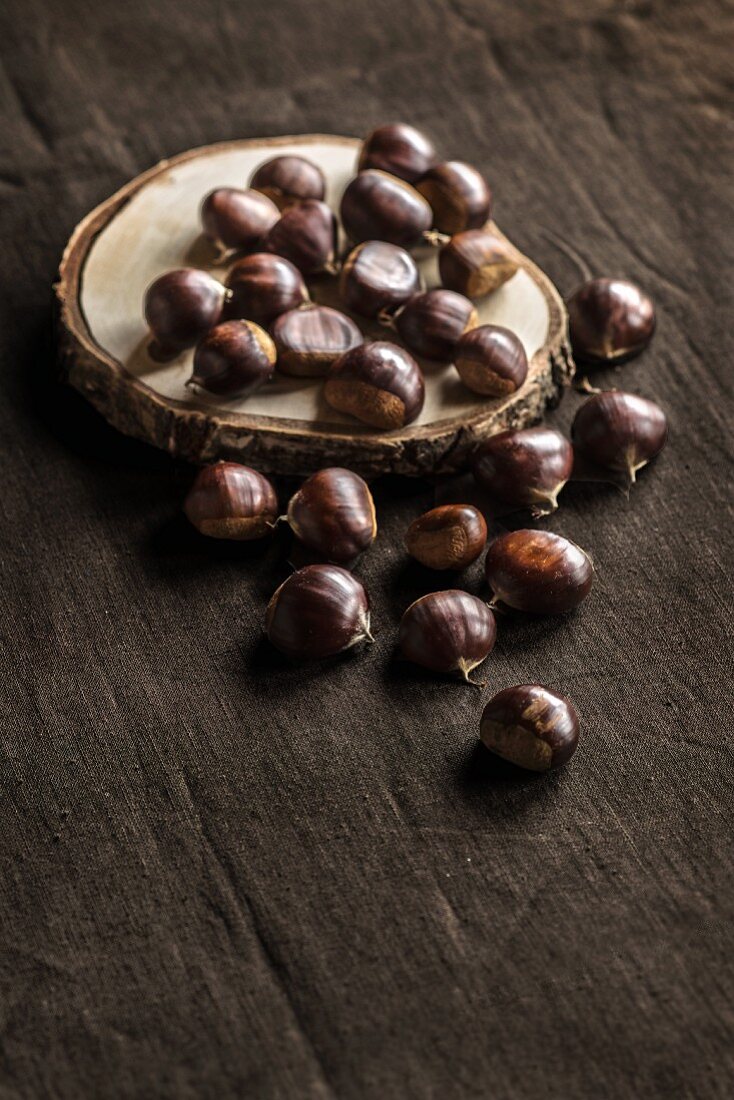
<point x="199" y="430"/>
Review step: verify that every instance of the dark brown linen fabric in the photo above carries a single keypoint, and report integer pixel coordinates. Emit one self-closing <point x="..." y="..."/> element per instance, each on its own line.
<point x="226" y="877"/>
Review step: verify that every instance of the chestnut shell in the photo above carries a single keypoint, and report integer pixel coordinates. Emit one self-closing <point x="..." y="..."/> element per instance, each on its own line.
<point x="609" y="321"/>
<point x="309" y="340"/>
<point x="451" y="536"/>
<point x="398" y="149"/>
<point x="306" y="235"/>
<point x="318" y="612"/>
<point x="180" y="306"/>
<point x="531" y="726"/>
<point x="619" y="431"/>
<point x="378" y="383"/>
<point x="449" y="631"/>
<point x="432" y="323"/>
<point x="476" y="263"/>
<point x="538" y="571"/>
<point x="380" y="207"/>
<point x="333" y="514"/>
<point x="376" y="276"/>
<point x="491" y="361"/>
<point x="263" y="286"/>
<point x="525" y="467"/>
<point x="235" y="357"/>
<point x="286" y="179"/>
<point x="234" y="218"/>
<point x="458" y="195"/>
<point x="231" y="501"/>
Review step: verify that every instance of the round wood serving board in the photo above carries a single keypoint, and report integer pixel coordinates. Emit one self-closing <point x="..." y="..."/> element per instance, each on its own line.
<point x="152" y="225"/>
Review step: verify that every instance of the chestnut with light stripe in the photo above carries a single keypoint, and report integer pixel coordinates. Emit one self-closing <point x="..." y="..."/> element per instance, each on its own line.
<point x="306" y="234"/>
<point x="609" y="321"/>
<point x="398" y="149"/>
<point x="233" y="218"/>
<point x="318" y="612"/>
<point x="458" y="195"/>
<point x="333" y="514"/>
<point x="619" y="432"/>
<point x="475" y="263"/>
<point x="310" y="339"/>
<point x="379" y="207"/>
<point x="263" y="286"/>
<point x="378" y="383"/>
<point x="538" y="571"/>
<point x="377" y="276"/>
<point x="235" y="357"/>
<point x="229" y="501"/>
<point x="525" y="468"/>
<point x="431" y="324"/>
<point x="530" y="726"/>
<point x="287" y="179"/>
<point x="180" y="307"/>
<point x="449" y="631"/>
<point x="451" y="536"/>
<point x="491" y="361"/>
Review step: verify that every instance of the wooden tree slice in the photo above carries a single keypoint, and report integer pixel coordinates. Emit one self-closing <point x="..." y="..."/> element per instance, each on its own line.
<point x="152" y="225"/>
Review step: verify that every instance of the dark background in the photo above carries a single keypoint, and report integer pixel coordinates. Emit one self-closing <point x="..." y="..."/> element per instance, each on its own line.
<point x="226" y="877"/>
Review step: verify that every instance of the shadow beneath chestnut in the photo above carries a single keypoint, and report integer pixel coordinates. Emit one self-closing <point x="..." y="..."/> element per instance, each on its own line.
<point x="262" y="664"/>
<point x="481" y="769"/>
<point x="408" y="580"/>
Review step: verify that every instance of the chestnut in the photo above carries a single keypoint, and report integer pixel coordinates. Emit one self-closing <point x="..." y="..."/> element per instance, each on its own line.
<point x="619" y="431"/>
<point x="180" y="307"/>
<point x="432" y="323"/>
<point x="378" y="383"/>
<point x="449" y="631"/>
<point x="287" y="179"/>
<point x="311" y="338"/>
<point x="525" y="467"/>
<point x="333" y="514"/>
<point x="398" y="149"/>
<point x="263" y="286"/>
<point x="475" y="263"/>
<point x="318" y="612"/>
<point x="230" y="501"/>
<point x="233" y="218"/>
<point x="530" y="726"/>
<point x="451" y="536"/>
<point x="491" y="361"/>
<point x="376" y="276"/>
<point x="235" y="357"/>
<point x="458" y="195"/>
<point x="306" y="234"/>
<point x="378" y="207"/>
<point x="538" y="571"/>
<point x="609" y="320"/>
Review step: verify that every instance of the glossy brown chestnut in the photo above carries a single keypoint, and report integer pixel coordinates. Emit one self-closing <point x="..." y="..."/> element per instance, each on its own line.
<point x="378" y="383"/>
<point x="235" y="357"/>
<point x="619" y="431"/>
<point x="432" y="323"/>
<point x="378" y="207"/>
<point x="288" y="179"/>
<point x="333" y="514"/>
<point x="449" y="631"/>
<point x="530" y="726"/>
<point x="230" y="501"/>
<point x="263" y="286"/>
<point x="451" y="536"/>
<point x="318" y="612"/>
<point x="526" y="468"/>
<point x="475" y="262"/>
<point x="398" y="149"/>
<point x="310" y="339"/>
<point x="458" y="195"/>
<point x="180" y="307"/>
<point x="305" y="235"/>
<point x="609" y="320"/>
<point x="491" y="361"/>
<point x="377" y="276"/>
<point x="234" y="218"/>
<point x="538" y="571"/>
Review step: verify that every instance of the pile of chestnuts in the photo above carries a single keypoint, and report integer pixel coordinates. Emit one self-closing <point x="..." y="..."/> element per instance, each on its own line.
<point x="278" y="232"/>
